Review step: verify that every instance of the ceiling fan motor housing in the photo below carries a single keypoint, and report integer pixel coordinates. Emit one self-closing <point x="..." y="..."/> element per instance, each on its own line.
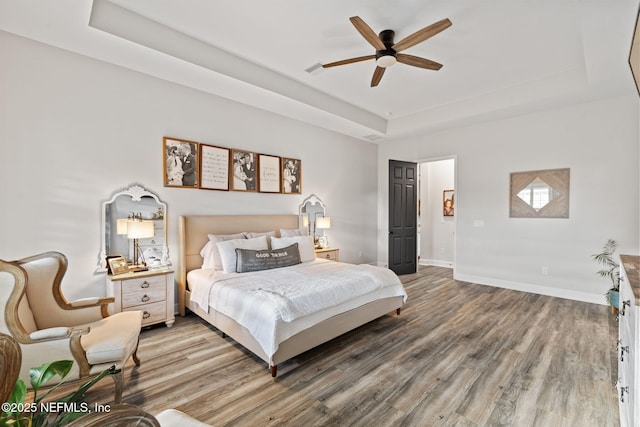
<point x="386" y="57"/>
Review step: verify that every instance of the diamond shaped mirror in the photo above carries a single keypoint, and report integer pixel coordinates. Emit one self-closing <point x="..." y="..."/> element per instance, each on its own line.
<point x="540" y="194"/>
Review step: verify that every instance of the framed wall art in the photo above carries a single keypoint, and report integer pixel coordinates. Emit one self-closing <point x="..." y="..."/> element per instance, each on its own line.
<point x="180" y="163"/>
<point x="243" y="170"/>
<point x="448" y="202"/>
<point x="539" y="194"/>
<point x="214" y="167"/>
<point x="291" y="176"/>
<point x="269" y="174"/>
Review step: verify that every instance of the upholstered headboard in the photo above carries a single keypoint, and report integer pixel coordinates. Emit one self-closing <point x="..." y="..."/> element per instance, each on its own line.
<point x="193" y="233"/>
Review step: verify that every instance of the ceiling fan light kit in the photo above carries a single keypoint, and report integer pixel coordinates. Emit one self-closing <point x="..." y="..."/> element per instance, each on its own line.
<point x="387" y="51"/>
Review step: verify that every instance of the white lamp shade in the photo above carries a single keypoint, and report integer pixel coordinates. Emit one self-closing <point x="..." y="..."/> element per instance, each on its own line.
<point x="323" y="222"/>
<point x="121" y="226"/>
<point x="140" y="229"/>
<point x="305" y="221"/>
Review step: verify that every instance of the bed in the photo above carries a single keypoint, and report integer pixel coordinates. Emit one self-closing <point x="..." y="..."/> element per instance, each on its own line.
<point x="193" y="235"/>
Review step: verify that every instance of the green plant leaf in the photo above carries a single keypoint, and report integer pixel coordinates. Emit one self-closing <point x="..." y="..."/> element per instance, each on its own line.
<point x="45" y="372"/>
<point x="77" y="395"/>
<point x="17" y="395"/>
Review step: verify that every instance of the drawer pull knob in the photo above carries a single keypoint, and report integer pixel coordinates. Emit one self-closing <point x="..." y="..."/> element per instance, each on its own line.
<point x="328" y="256"/>
<point x="625" y="304"/>
<point x="623" y="390"/>
<point x="146" y="315"/>
<point x="145" y="298"/>
<point x="622" y="350"/>
<point x="144" y="285"/>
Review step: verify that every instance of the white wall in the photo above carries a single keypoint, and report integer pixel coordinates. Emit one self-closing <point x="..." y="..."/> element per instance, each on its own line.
<point x="74" y="130"/>
<point x="436" y="230"/>
<point x="597" y="141"/>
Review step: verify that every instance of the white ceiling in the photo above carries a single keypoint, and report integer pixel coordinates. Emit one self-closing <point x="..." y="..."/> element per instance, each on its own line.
<point x="500" y="57"/>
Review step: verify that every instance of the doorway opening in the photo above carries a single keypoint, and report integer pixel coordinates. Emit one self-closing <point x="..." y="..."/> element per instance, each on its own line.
<point x="437" y="212"/>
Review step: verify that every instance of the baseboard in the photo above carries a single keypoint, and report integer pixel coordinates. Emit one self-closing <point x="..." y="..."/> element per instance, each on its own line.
<point x="534" y="289"/>
<point x="436" y="263"/>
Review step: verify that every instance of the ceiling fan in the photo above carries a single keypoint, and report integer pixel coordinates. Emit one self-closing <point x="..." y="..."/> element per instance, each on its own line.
<point x="387" y="52"/>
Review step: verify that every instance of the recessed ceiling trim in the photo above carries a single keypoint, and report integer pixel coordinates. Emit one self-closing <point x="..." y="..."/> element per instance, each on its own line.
<point x="121" y="22"/>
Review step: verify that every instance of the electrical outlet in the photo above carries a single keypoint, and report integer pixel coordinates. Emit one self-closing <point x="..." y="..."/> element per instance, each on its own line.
<point x="545" y="270"/>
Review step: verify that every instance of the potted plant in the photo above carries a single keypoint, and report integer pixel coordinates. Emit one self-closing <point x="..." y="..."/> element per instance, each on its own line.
<point x="18" y="413"/>
<point x="610" y="270"/>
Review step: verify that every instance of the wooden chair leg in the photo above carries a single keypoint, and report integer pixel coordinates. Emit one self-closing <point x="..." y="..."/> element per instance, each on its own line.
<point x="118" y="379"/>
<point x="136" y="360"/>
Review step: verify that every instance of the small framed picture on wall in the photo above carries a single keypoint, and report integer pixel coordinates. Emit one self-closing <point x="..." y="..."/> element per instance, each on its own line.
<point x="243" y="170"/>
<point x="291" y="176"/>
<point x="447" y="202"/>
<point x="269" y="174"/>
<point x="180" y="161"/>
<point x="214" y="167"/>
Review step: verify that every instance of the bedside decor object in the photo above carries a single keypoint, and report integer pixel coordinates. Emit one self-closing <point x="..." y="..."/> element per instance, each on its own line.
<point x="214" y="167"/>
<point x="323" y="223"/>
<point x="139" y="229"/>
<point x="539" y="194"/>
<point x="291" y="176"/>
<point x="115" y="214"/>
<point x="243" y="170"/>
<point x="180" y="163"/>
<point x="269" y="174"/>
<point x="134" y="227"/>
<point x="447" y="202"/>
<point x="118" y="265"/>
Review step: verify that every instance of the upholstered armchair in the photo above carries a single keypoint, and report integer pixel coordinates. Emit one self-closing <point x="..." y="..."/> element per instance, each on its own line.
<point x="49" y="328"/>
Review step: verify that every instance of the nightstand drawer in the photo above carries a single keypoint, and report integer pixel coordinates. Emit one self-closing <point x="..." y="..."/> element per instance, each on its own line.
<point x="149" y="291"/>
<point x="147" y="296"/>
<point x="144" y="284"/>
<point x="151" y="313"/>
<point x="329" y="254"/>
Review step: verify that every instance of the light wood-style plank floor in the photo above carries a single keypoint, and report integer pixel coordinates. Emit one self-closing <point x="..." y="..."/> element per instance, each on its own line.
<point x="460" y="354"/>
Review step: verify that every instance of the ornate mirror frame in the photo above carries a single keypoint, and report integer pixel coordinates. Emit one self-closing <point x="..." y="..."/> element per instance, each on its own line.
<point x="136" y="193"/>
<point x="310" y="208"/>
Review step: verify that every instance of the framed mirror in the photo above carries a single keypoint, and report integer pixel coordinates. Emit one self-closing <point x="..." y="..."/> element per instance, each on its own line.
<point x="310" y="209"/>
<point x="139" y="202"/>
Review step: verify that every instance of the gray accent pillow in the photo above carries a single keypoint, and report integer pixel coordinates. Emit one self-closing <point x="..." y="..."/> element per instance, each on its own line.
<point x="248" y="260"/>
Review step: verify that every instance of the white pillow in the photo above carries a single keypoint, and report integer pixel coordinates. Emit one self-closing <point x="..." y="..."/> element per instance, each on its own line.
<point x="294" y="232"/>
<point x="305" y="246"/>
<point x="252" y="235"/>
<point x="227" y="250"/>
<point x="209" y="253"/>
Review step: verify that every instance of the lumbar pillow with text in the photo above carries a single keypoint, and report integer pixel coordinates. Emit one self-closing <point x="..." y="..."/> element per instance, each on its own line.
<point x="228" y="250"/>
<point x="305" y="246"/>
<point x="251" y="260"/>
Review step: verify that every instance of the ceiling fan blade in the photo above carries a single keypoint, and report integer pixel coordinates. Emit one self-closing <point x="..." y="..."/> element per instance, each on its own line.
<point x="367" y="33"/>
<point x="377" y="75"/>
<point x="349" y="61"/>
<point x="416" y="61"/>
<point x="422" y="35"/>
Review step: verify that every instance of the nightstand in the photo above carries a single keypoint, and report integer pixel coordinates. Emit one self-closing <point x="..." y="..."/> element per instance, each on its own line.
<point x="328" y="253"/>
<point x="149" y="291"/>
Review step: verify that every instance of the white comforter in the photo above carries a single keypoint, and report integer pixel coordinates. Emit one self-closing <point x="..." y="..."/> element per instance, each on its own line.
<point x="276" y="304"/>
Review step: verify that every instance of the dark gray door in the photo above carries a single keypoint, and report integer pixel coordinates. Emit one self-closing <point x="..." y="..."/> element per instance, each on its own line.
<point x="403" y="199"/>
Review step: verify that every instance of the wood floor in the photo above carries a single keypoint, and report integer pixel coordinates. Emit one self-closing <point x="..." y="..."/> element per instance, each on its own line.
<point x="459" y="355"/>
